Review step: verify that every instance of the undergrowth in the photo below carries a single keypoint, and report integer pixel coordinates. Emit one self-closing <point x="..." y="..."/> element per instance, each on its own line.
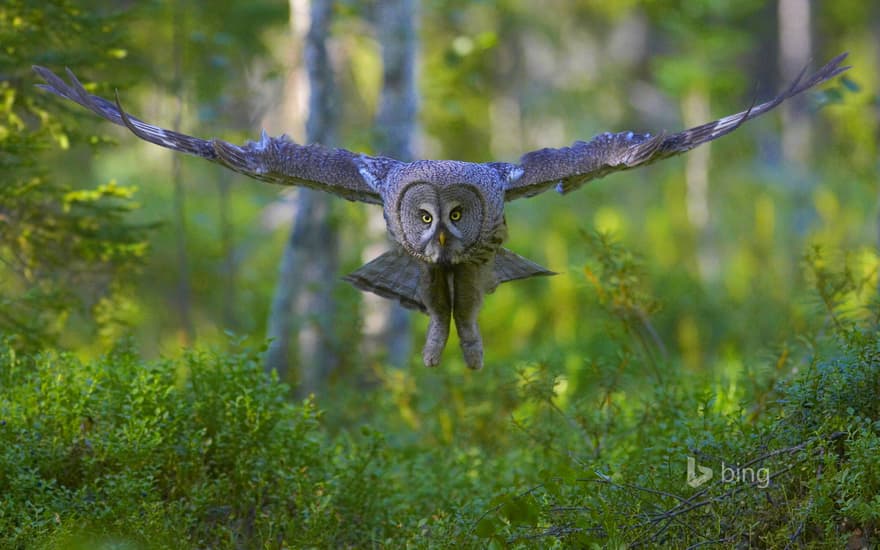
<point x="206" y="451"/>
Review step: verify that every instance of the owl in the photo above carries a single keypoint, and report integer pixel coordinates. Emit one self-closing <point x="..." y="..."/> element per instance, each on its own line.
<point x="445" y="218"/>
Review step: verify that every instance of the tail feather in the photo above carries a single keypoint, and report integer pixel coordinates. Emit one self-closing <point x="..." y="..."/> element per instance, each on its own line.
<point x="510" y="266"/>
<point x="395" y="275"/>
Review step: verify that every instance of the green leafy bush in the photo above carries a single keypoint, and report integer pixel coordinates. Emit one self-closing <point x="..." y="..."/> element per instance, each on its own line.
<point x="205" y="451"/>
<point x="795" y="465"/>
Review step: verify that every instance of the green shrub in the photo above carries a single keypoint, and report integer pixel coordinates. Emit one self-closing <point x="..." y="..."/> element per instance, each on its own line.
<point x="794" y="465"/>
<point x="205" y="450"/>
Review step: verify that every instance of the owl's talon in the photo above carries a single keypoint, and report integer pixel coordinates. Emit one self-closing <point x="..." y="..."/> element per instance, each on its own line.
<point x="473" y="354"/>
<point x="430" y="359"/>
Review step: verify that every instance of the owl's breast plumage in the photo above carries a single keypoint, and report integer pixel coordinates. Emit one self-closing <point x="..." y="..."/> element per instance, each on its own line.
<point x="484" y="250"/>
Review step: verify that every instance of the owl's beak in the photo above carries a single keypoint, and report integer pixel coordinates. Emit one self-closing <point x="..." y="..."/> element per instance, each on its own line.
<point x="442" y="238"/>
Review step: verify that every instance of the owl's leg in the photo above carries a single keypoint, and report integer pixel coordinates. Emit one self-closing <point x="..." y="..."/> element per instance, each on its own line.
<point x="468" y="286"/>
<point x="435" y="294"/>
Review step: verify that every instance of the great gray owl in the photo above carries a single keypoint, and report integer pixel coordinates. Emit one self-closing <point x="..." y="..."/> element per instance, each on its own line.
<point x="445" y="218"/>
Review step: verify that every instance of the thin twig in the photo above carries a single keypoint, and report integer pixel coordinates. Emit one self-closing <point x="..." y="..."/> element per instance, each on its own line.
<point x="635" y="487"/>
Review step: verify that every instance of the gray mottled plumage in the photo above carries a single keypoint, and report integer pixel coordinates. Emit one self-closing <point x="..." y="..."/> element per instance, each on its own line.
<point x="445" y="217"/>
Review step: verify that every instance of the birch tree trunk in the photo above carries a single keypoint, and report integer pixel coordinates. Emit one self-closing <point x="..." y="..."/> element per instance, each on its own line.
<point x="795" y="49"/>
<point x="386" y="324"/>
<point x="184" y="294"/>
<point x="695" y="110"/>
<point x="794" y="53"/>
<point x="303" y="302"/>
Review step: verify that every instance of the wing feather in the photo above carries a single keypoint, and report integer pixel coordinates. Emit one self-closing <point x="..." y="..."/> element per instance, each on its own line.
<point x="567" y="168"/>
<point x="272" y="159"/>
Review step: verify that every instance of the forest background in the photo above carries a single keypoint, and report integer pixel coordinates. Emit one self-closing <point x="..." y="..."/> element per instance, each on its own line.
<point x="720" y="306"/>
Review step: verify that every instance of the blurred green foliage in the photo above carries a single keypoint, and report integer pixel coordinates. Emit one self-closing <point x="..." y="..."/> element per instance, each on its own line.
<point x="599" y="381"/>
<point x="66" y="252"/>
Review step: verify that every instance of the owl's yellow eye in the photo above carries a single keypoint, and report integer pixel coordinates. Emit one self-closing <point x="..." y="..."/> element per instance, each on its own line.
<point x="455" y="215"/>
<point x="426" y="217"/>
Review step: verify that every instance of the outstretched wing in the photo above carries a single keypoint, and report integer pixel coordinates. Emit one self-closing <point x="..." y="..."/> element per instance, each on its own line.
<point x="568" y="168"/>
<point x="272" y="159"/>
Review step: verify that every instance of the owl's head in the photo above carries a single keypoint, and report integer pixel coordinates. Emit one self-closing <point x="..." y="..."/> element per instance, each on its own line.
<point x="441" y="222"/>
<point x="441" y="211"/>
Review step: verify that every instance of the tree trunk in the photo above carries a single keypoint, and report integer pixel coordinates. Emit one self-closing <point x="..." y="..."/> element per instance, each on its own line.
<point x="303" y="301"/>
<point x="795" y="50"/>
<point x="227" y="245"/>
<point x="386" y="324"/>
<point x="695" y="111"/>
<point x="184" y="293"/>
